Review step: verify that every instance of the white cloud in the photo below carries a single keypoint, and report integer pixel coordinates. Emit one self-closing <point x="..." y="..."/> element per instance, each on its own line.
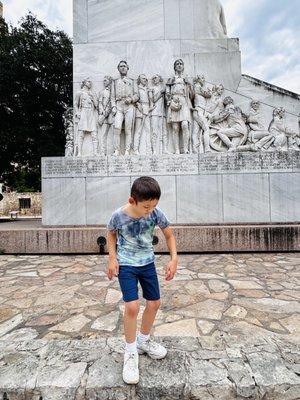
<point x="55" y="14"/>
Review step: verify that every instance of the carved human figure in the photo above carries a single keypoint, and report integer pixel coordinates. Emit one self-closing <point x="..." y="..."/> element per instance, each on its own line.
<point x="69" y="132"/>
<point x="282" y="135"/>
<point x="123" y="99"/>
<point x="215" y="102"/>
<point x="179" y="94"/>
<point x="142" y="120"/>
<point x="259" y="138"/>
<point x="236" y="131"/>
<point x="86" y="105"/>
<point x="105" y="119"/>
<point x="202" y="95"/>
<point x="210" y="22"/>
<point x="157" y="115"/>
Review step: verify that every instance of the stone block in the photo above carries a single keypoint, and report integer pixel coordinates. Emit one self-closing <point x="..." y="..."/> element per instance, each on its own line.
<point x="103" y="196"/>
<point x="115" y="21"/>
<point x="285" y="197"/>
<point x="220" y="68"/>
<point x="64" y="201"/>
<point x="269" y="94"/>
<point x="172" y="19"/>
<point x="246" y="198"/>
<point x="186" y="19"/>
<point x="199" y="199"/>
<point x="80" y="21"/>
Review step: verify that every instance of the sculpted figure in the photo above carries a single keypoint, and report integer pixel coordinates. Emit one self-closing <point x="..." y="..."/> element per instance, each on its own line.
<point x="157" y="95"/>
<point x="202" y="94"/>
<point x="179" y="94"/>
<point x="69" y="131"/>
<point x="142" y="121"/>
<point x="211" y="19"/>
<point x="283" y="137"/>
<point x="215" y="102"/>
<point x="124" y="97"/>
<point x="86" y="105"/>
<point x="105" y="119"/>
<point x="258" y="136"/>
<point x="236" y="131"/>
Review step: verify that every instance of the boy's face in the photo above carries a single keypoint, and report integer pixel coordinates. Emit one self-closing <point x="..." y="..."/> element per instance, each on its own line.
<point x="144" y="208"/>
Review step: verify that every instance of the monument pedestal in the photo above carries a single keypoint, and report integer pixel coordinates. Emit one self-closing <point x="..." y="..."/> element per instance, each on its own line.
<point x="216" y="188"/>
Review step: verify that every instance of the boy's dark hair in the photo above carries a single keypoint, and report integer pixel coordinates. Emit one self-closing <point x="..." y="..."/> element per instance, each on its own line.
<point x="145" y="188"/>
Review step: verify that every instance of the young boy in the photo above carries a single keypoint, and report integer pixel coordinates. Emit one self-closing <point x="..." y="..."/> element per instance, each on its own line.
<point x="131" y="227"/>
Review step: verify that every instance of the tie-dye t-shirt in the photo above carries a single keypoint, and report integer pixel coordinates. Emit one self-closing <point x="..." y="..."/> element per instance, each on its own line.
<point x="135" y="236"/>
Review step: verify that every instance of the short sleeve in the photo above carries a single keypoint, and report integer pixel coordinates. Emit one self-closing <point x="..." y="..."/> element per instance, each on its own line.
<point x="113" y="222"/>
<point x="161" y="219"/>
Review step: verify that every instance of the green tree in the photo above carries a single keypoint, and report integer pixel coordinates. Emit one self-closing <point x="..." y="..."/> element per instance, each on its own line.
<point x="35" y="90"/>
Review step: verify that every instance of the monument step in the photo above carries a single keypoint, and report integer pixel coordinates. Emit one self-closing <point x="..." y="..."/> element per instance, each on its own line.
<point x="30" y="237"/>
<point x="92" y="369"/>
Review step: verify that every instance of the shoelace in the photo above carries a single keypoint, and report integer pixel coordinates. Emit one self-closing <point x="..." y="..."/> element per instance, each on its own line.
<point x="152" y="345"/>
<point x="131" y="359"/>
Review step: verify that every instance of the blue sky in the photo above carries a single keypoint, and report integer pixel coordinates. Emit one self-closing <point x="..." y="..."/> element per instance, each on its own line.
<point x="269" y="32"/>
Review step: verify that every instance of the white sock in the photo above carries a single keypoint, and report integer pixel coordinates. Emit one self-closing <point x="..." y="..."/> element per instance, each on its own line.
<point x="142" y="338"/>
<point x="131" y="347"/>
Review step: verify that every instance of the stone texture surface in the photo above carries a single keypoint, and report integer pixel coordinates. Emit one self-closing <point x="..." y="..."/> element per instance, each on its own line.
<point x="22" y="237"/>
<point x="204" y="188"/>
<point x="245" y="345"/>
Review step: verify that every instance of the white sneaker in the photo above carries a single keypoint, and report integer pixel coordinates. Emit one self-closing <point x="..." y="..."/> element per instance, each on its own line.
<point x="153" y="349"/>
<point x="131" y="368"/>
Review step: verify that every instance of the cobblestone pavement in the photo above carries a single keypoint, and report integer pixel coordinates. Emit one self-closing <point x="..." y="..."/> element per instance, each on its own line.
<point x="240" y="312"/>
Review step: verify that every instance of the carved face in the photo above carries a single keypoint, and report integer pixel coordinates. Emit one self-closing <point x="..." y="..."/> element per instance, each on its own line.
<point x="143" y="80"/>
<point x="123" y="68"/>
<point x="87" y="83"/>
<point x="228" y="100"/>
<point x="200" y="79"/>
<point x="255" y="105"/>
<point x="155" y="79"/>
<point x="220" y="89"/>
<point x="179" y="66"/>
<point x="106" y="82"/>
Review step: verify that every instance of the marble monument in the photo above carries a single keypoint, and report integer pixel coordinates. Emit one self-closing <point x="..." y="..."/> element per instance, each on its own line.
<point x="158" y="90"/>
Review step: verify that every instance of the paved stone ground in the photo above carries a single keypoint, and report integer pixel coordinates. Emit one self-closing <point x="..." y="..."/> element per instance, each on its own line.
<point x="231" y="322"/>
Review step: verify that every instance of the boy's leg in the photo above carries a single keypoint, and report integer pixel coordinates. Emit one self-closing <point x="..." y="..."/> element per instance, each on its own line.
<point x="130" y="320"/>
<point x="149" y="315"/>
<point x="128" y="283"/>
<point x="149" y="282"/>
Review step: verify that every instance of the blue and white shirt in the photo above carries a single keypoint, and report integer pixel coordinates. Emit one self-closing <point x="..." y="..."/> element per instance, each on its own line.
<point x="135" y="236"/>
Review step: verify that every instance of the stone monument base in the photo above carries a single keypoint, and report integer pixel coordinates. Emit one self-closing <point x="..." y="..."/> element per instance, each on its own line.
<point x="215" y="188"/>
<point x="32" y="238"/>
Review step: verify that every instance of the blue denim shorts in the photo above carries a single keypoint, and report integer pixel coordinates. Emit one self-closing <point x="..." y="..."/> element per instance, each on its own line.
<point x="129" y="277"/>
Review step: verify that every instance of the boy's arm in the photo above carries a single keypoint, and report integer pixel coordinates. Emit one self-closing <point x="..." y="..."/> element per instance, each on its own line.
<point x="113" y="266"/>
<point x="171" y="243"/>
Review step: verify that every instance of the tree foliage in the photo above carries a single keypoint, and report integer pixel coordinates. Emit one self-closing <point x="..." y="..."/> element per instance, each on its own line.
<point x="35" y="90"/>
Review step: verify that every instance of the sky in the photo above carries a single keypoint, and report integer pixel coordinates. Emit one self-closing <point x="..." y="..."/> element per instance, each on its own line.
<point x="269" y="33"/>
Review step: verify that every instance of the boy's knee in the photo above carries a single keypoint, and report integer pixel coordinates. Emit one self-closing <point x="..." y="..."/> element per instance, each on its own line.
<point x="154" y="304"/>
<point x="132" y="308"/>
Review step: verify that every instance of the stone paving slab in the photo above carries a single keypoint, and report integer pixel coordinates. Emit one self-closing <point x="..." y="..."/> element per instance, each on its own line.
<point x="230" y="321"/>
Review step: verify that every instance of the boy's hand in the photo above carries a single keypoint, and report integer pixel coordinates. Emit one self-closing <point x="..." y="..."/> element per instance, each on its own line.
<point x="113" y="269"/>
<point x="171" y="270"/>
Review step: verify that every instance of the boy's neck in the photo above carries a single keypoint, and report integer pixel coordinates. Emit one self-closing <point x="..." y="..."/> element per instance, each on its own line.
<point x="130" y="210"/>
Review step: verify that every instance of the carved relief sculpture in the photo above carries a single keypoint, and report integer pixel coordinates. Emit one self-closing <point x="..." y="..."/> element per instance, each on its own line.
<point x="124" y="97"/>
<point x="105" y="119"/>
<point x="69" y="132"/>
<point x="202" y="95"/>
<point x="157" y="115"/>
<point x="235" y="134"/>
<point x="142" y="121"/>
<point x="211" y="19"/>
<point x="283" y="137"/>
<point x="179" y="93"/>
<point x="86" y="110"/>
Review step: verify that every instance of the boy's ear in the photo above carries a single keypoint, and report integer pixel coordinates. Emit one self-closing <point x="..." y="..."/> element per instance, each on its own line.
<point x="132" y="200"/>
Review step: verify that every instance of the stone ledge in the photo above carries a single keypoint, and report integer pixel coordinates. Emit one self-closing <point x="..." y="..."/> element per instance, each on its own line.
<point x="190" y="238"/>
<point x="92" y="369"/>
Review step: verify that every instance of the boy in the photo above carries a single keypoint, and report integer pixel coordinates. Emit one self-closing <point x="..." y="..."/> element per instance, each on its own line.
<point x="132" y="226"/>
